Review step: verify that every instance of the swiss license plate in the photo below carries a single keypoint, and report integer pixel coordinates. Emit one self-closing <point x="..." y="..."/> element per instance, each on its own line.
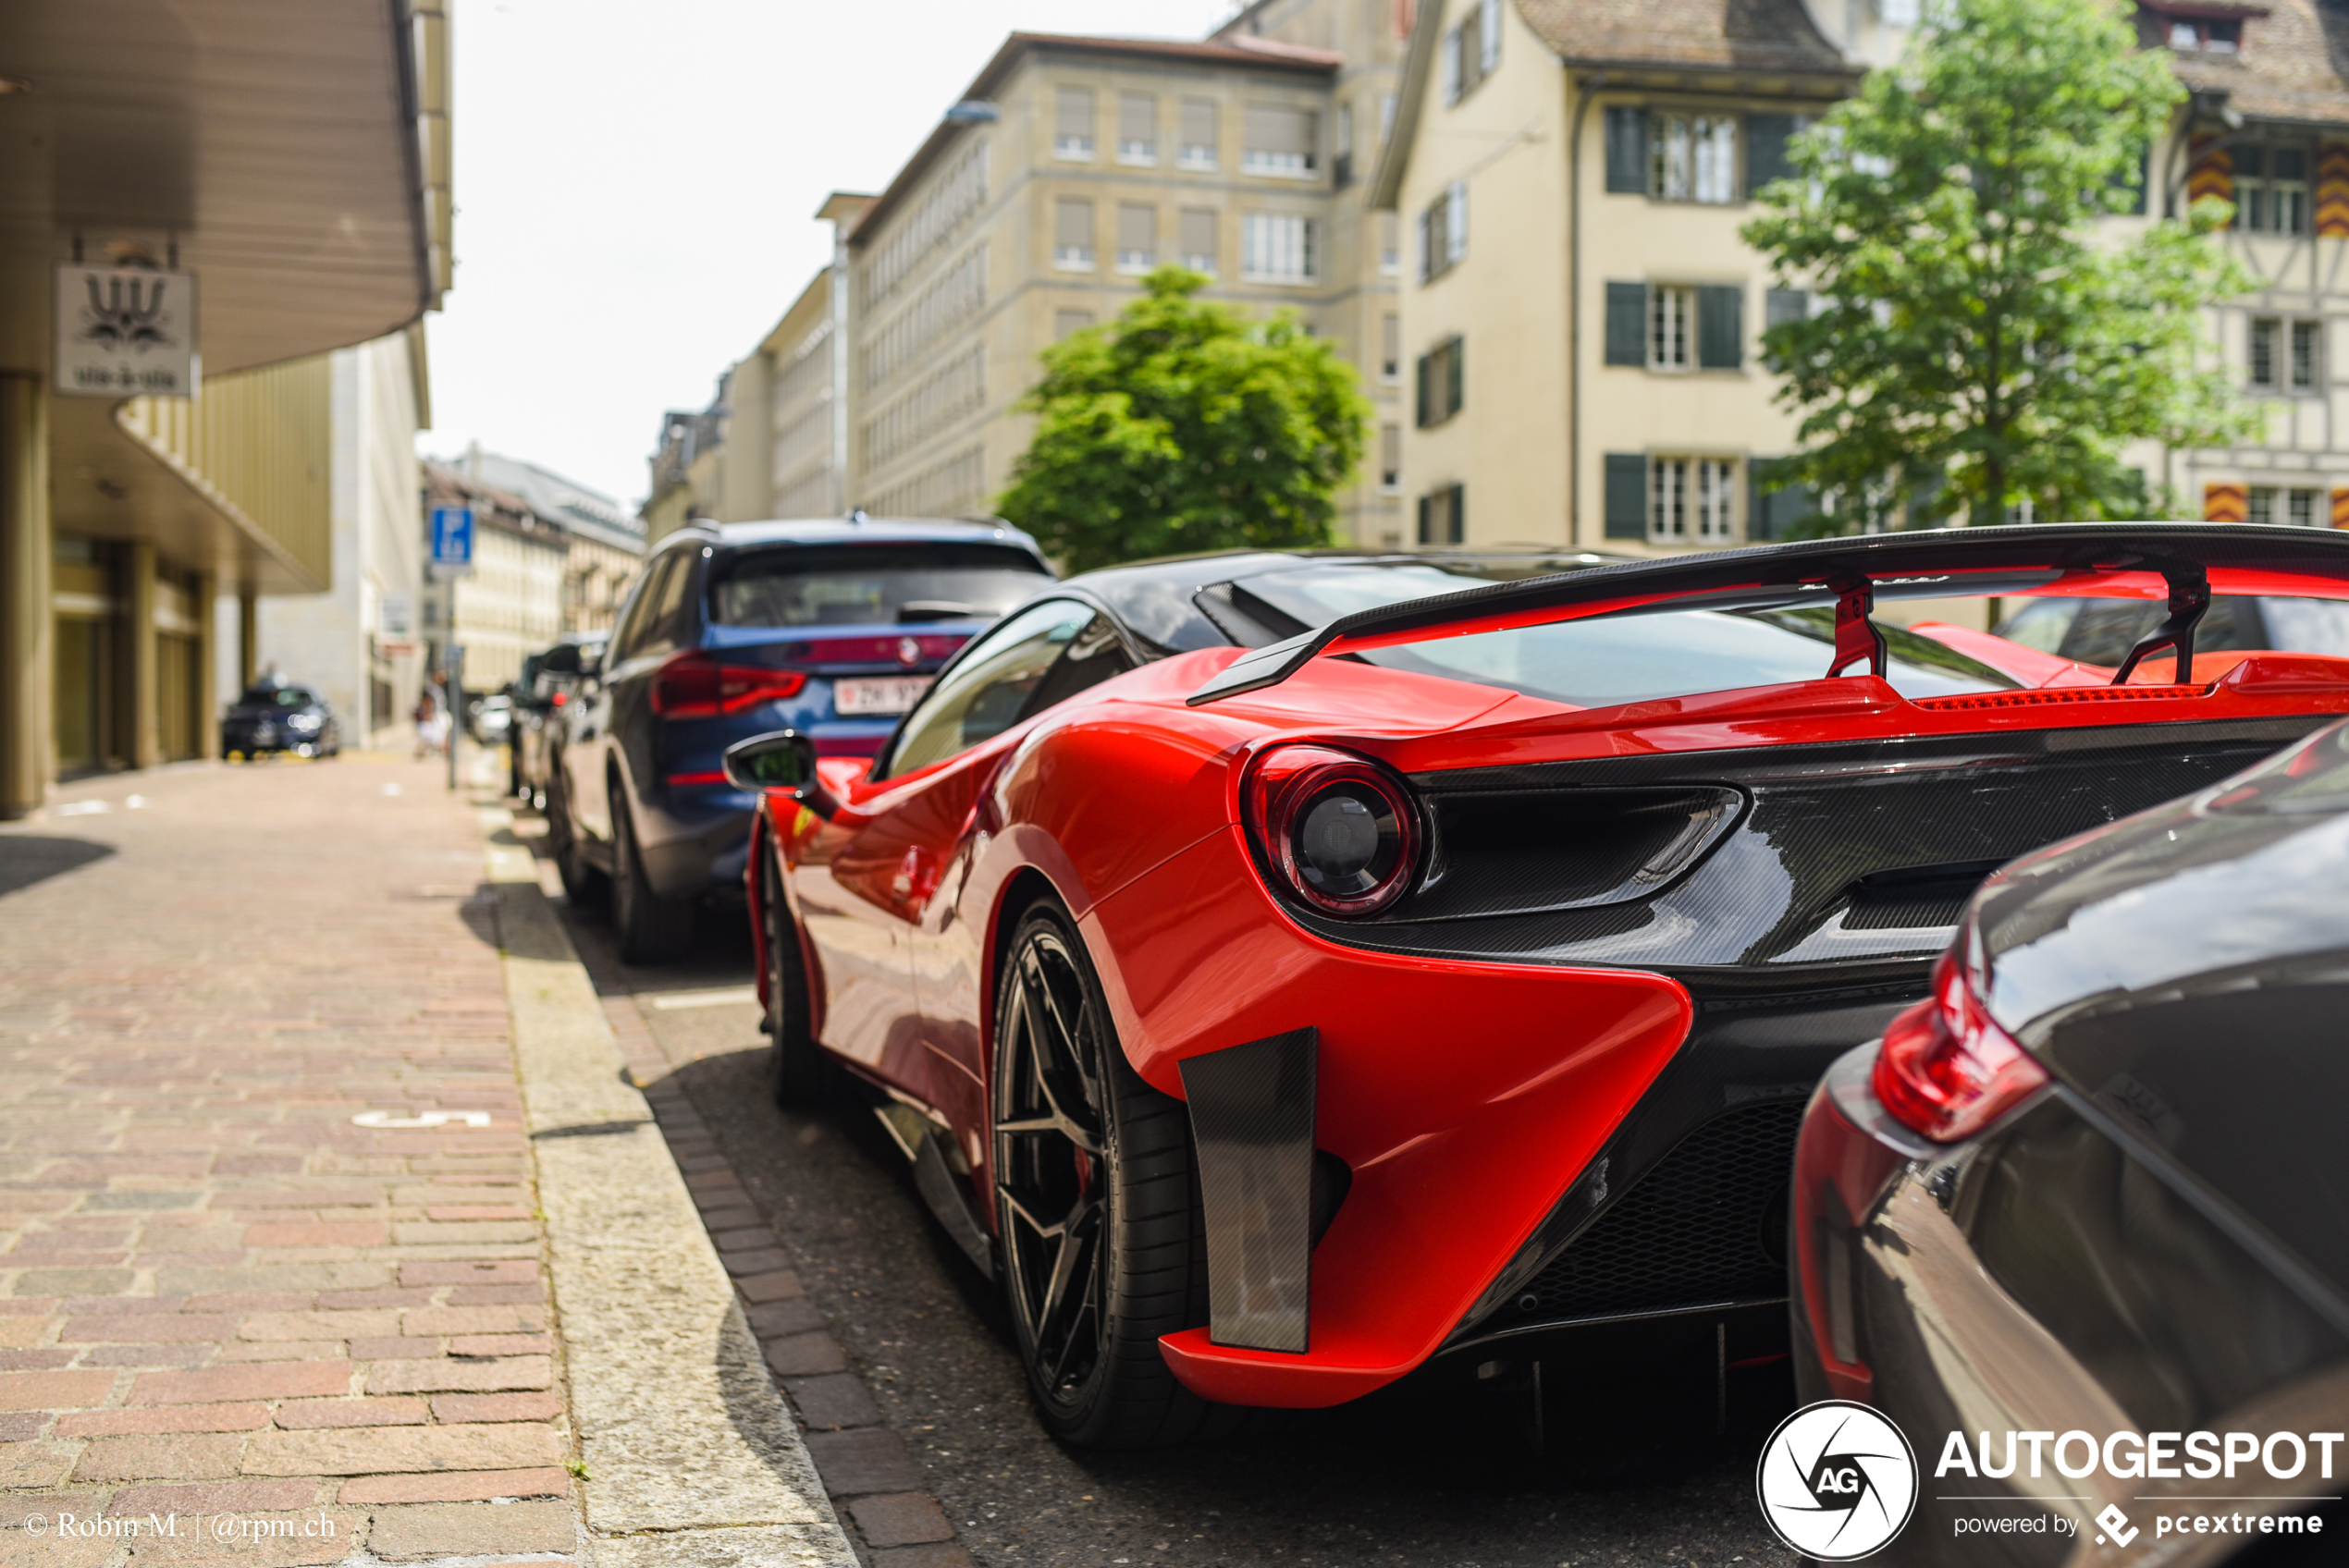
<point x="891" y="694"/>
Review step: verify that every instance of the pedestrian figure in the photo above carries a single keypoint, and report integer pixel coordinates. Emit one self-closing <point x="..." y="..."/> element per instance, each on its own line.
<point x="432" y="719"/>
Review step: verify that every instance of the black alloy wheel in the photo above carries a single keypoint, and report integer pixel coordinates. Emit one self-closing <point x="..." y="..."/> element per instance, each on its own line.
<point x="585" y="887"/>
<point x="651" y="929"/>
<point x="1096" y="1206"/>
<point x="798" y="1072"/>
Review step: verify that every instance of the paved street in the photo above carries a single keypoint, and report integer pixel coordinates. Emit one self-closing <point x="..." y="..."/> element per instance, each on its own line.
<point x="275" y="1249"/>
<point x="1632" y="1474"/>
<point x="222" y="1296"/>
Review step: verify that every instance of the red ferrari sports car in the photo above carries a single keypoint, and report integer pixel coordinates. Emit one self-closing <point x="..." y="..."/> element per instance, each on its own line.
<point x="1287" y="971"/>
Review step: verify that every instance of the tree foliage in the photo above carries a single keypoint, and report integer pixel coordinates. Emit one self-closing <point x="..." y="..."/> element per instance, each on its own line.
<point x="1185" y="426"/>
<point x="1975" y="341"/>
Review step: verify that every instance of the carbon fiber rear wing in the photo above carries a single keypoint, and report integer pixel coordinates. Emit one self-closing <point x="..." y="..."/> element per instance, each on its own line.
<point x="2185" y="562"/>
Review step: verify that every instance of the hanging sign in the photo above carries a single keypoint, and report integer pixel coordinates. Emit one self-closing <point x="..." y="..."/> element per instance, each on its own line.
<point x="126" y="331"/>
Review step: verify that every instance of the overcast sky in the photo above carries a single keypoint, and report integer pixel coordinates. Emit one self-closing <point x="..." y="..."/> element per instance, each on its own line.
<point x="636" y="185"/>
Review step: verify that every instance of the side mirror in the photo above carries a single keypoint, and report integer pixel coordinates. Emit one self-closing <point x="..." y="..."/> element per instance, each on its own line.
<point x="781" y="760"/>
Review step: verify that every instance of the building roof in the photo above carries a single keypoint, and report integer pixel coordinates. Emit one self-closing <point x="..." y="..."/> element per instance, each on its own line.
<point x="2289" y="67"/>
<point x="1740" y="35"/>
<point x="1241" y="51"/>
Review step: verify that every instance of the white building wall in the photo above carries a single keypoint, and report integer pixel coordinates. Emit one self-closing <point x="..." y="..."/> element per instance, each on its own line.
<point x="329" y="640"/>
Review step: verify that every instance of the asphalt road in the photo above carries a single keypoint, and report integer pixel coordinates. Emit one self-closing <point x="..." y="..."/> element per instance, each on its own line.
<point x="1631" y="1470"/>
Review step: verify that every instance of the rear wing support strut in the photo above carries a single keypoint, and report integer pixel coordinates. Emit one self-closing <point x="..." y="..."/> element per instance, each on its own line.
<point x="2189" y="598"/>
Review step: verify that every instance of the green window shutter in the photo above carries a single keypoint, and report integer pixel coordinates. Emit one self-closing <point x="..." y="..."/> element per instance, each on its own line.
<point x="1720" y="327"/>
<point x="1421" y="386"/>
<point x="1627" y="151"/>
<point x="1784" y="305"/>
<point x="1627" y="495"/>
<point x="1627" y="324"/>
<point x="1760" y="527"/>
<point x="1459" y="520"/>
<point x="1423" y="505"/>
<point x="2130" y="179"/>
<point x="1766" y="159"/>
<point x="1456" y="378"/>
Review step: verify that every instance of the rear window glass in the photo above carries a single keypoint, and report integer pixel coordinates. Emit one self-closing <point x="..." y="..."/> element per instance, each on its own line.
<point x="869" y="584"/>
<point x="1626" y="658"/>
<point x="2102" y="632"/>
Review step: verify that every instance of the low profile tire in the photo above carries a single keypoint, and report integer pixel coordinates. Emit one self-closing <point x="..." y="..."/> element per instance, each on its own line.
<point x="585" y="887"/>
<point x="799" y="1074"/>
<point x="651" y="929"/>
<point x="1096" y="1206"/>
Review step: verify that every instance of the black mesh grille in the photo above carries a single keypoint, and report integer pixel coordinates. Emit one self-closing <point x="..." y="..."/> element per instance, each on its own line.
<point x="1707" y="1224"/>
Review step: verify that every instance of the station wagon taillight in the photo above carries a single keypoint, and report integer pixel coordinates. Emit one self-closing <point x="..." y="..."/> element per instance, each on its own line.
<point x="694" y="685"/>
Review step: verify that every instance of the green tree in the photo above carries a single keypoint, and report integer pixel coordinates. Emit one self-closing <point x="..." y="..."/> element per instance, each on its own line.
<point x="1975" y="342"/>
<point x="1185" y="426"/>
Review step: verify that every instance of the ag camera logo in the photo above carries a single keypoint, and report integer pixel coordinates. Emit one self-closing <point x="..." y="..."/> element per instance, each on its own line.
<point x="1836" y="1481"/>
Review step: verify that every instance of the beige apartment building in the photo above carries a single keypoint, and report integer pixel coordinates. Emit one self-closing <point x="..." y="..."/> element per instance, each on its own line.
<point x="1581" y="320"/>
<point x="1072" y="168"/>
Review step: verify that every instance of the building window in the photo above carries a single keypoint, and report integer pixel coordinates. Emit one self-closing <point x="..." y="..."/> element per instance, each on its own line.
<point x="1137" y="128"/>
<point x="1443" y="232"/>
<point x="2272" y="189"/>
<point x="1443" y="516"/>
<point x="1067" y="322"/>
<point x="2207" y="35"/>
<point x="2284" y="354"/>
<point x="1671" y="323"/>
<point x="1390" y="353"/>
<point x="1390" y="457"/>
<point x="1197" y="147"/>
<point x="1277" y="248"/>
<point x="1693" y="158"/>
<point x="1472" y="51"/>
<point x="1072" y="129"/>
<point x="2300" y="508"/>
<point x="1073" y="234"/>
<point x="1279" y="141"/>
<point x="1390" y="244"/>
<point x="1691" y="501"/>
<point x="1137" y="237"/>
<point x="1441" y="383"/>
<point x="1342" y="155"/>
<point x="1198" y="238"/>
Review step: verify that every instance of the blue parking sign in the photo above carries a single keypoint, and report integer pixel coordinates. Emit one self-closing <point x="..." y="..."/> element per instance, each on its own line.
<point x="453" y="541"/>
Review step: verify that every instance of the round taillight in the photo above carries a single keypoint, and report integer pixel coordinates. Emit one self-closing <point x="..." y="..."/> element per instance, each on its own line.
<point x="1339" y="832"/>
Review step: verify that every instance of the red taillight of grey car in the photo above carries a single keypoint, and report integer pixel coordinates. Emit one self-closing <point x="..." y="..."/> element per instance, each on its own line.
<point x="1947" y="1070"/>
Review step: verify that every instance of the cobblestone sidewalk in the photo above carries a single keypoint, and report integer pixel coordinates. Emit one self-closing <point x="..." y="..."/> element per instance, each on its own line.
<point x="268" y="1251"/>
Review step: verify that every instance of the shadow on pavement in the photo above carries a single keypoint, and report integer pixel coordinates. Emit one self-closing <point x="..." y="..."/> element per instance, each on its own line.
<point x="27" y="858"/>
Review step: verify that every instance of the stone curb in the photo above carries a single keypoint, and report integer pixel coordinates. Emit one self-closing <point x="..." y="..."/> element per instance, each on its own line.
<point x="690" y="1456"/>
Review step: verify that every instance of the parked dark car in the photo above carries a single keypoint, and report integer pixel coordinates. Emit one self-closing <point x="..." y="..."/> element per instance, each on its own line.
<point x="276" y="716"/>
<point x="540" y="692"/>
<point x="830" y="627"/>
<point x="2091" y="1197"/>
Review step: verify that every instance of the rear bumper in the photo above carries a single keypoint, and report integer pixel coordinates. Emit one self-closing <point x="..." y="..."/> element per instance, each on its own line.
<point x="1532" y="1146"/>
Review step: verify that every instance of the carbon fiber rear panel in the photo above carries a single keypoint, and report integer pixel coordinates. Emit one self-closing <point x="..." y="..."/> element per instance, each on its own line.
<point x="1839" y="854"/>
<point x="1706" y="1225"/>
